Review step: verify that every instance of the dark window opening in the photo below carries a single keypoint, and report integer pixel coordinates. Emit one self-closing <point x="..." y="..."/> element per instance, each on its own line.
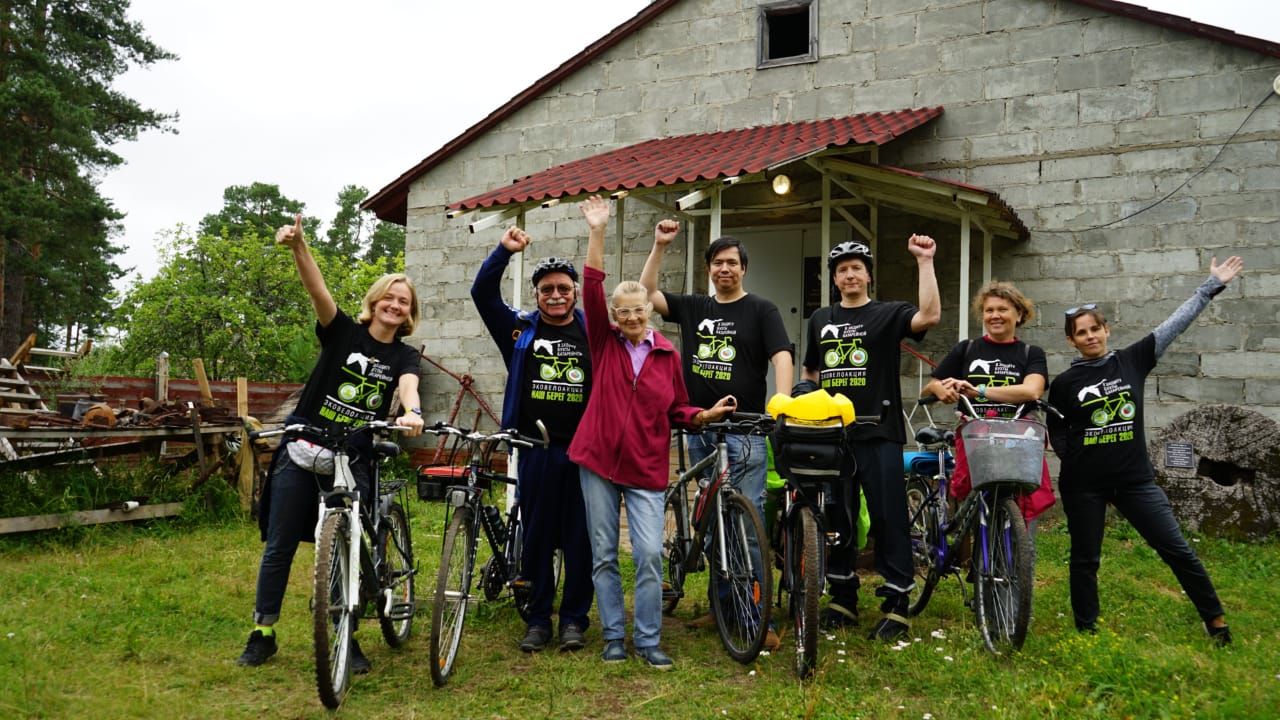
<point x="788" y="33"/>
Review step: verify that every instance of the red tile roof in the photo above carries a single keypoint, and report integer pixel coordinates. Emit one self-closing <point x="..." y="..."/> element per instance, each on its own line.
<point x="690" y="158"/>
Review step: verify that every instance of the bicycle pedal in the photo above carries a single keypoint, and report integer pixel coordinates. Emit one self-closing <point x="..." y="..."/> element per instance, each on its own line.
<point x="402" y="611"/>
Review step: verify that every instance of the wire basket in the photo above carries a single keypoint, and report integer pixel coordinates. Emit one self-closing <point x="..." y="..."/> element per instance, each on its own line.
<point x="1004" y="451"/>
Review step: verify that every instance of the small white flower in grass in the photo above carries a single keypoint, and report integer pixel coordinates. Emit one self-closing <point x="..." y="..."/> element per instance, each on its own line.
<point x="84" y="597"/>
<point x="886" y="689"/>
<point x="937" y="649"/>
<point x="948" y="658"/>
<point x="993" y="707"/>
<point x="839" y="660"/>
<point x="752" y="673"/>
<point x="917" y="640"/>
<point x="764" y="653"/>
<point x="902" y="707"/>
<point x="840" y="652"/>
<point x="1195" y="539"/>
<point x="927" y="716"/>
<point x="831" y="637"/>
<point x="10" y="635"/>
<point x="938" y="634"/>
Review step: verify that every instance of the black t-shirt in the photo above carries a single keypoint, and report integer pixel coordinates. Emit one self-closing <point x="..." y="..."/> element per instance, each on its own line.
<point x="557" y="370"/>
<point x="354" y="380"/>
<point x="1101" y="441"/>
<point x="726" y="347"/>
<point x="856" y="353"/>
<point x="983" y="361"/>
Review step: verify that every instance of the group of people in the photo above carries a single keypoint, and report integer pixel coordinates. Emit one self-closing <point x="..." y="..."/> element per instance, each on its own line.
<point x="609" y="388"/>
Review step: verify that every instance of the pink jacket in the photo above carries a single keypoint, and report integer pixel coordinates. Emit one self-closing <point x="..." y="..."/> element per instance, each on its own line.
<point x="625" y="434"/>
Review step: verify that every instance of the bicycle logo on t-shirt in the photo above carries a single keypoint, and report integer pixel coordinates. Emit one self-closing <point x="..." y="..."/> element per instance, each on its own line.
<point x="363" y="391"/>
<point x="839" y="350"/>
<point x="719" y="346"/>
<point x="1110" y="407"/>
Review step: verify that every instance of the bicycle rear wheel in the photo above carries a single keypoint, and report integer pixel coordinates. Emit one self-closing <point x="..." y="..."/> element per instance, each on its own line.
<point x="673" y="550"/>
<point x="453" y="590"/>
<point x="397" y="604"/>
<point x="804" y="566"/>
<point x="741" y="582"/>
<point x="925" y="510"/>
<point x="333" y="617"/>
<point x="1003" y="573"/>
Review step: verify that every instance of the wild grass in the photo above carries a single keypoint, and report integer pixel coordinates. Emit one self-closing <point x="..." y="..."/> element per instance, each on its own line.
<point x="146" y="621"/>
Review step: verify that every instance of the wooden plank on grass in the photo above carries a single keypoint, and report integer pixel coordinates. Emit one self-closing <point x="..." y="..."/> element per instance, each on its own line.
<point x="29" y="523"/>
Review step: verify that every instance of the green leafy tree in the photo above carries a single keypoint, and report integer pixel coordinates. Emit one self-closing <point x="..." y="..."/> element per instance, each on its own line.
<point x="355" y="232"/>
<point x="236" y="303"/>
<point x="59" y="117"/>
<point x="258" y="208"/>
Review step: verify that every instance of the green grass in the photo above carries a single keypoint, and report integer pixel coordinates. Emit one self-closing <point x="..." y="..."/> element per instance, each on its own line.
<point x="146" y="622"/>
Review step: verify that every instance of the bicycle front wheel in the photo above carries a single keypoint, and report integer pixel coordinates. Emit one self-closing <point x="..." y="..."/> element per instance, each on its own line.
<point x="333" y="616"/>
<point x="673" y="549"/>
<point x="924" y="513"/>
<point x="1003" y="574"/>
<point x="453" y="589"/>
<point x="804" y="567"/>
<point x="741" y="582"/>
<point x="397" y="604"/>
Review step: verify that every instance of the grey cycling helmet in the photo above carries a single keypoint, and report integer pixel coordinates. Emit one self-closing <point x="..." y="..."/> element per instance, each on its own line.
<point x="851" y="249"/>
<point x="553" y="264"/>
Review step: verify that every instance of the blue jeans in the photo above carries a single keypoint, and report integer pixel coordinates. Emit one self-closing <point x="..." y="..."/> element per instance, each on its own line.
<point x="748" y="462"/>
<point x="1147" y="508"/>
<point x="553" y="515"/>
<point x="644" y="520"/>
<point x="748" y="472"/>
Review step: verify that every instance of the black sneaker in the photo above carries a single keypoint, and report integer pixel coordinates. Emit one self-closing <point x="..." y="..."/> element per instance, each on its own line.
<point x="891" y="627"/>
<point x="360" y="664"/>
<point x="1221" y="636"/>
<point x="836" y="616"/>
<point x="259" y="648"/>
<point x="571" y="637"/>
<point x="535" y="638"/>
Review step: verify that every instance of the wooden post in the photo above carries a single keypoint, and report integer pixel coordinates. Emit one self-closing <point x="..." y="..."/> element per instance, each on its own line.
<point x="162" y="390"/>
<point x="206" y="394"/>
<point x="247" y="452"/>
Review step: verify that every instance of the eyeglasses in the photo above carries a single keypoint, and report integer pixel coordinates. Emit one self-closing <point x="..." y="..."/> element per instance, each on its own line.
<point x="547" y="290"/>
<point x="1078" y="308"/>
<point x="626" y="312"/>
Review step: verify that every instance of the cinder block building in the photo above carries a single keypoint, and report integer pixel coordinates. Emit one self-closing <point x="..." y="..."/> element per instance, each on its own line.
<point x="1088" y="150"/>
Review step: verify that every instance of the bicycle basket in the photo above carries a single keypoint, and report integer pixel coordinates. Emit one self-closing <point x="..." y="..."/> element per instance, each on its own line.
<point x="1004" y="451"/>
<point x="434" y="480"/>
<point x="809" y="450"/>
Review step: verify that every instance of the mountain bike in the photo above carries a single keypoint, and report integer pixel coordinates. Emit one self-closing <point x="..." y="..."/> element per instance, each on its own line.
<point x="810" y="456"/>
<point x="466" y="515"/>
<point x="364" y="554"/>
<point x="721" y="529"/>
<point x="1005" y="458"/>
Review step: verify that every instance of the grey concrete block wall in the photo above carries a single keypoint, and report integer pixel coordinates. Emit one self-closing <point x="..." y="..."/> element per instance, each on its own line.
<point x="1076" y="118"/>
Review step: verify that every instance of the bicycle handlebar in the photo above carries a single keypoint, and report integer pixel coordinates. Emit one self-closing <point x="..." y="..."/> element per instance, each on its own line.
<point x="1021" y="411"/>
<point x="335" y="434"/>
<point x="510" y="436"/>
<point x="741" y="423"/>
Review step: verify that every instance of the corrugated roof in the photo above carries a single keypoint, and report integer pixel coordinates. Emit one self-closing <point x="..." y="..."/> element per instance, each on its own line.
<point x="705" y="156"/>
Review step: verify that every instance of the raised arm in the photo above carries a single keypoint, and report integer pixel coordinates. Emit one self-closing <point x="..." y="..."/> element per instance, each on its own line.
<point x="1181" y="319"/>
<point x="308" y="271"/>
<point x="663" y="234"/>
<point x="930" y="305"/>
<point x="596" y="212"/>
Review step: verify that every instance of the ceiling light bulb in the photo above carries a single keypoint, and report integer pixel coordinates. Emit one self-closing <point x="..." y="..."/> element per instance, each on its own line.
<point x="781" y="184"/>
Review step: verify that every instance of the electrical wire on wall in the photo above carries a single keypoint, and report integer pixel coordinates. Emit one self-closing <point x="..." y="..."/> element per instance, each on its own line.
<point x="1184" y="183"/>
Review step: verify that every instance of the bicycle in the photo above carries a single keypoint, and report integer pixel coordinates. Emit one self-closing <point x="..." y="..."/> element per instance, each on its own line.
<point x="809" y="455"/>
<point x="465" y="515"/>
<point x="364" y="554"/>
<point x="741" y="581"/>
<point x="1005" y="460"/>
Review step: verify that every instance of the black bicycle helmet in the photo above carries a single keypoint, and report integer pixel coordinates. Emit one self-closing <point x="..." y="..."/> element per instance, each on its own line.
<point x="851" y="249"/>
<point x="553" y="264"/>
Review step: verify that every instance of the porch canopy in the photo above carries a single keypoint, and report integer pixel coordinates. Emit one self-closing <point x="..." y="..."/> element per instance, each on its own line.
<point x="830" y="165"/>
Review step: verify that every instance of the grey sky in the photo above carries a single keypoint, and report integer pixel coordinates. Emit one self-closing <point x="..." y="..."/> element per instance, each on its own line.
<point x="313" y="96"/>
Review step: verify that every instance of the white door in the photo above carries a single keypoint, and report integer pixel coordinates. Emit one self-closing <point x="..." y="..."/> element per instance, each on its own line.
<point x="776" y="270"/>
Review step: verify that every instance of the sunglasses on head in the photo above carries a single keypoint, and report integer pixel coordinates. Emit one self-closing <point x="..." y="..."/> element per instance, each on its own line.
<point x="1080" y="308"/>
